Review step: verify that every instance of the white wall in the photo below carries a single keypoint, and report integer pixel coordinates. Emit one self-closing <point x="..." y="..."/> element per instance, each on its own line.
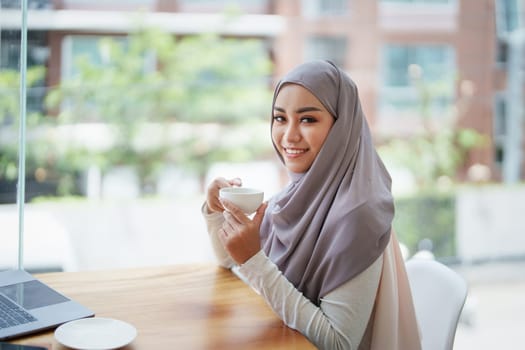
<point x="490" y="222"/>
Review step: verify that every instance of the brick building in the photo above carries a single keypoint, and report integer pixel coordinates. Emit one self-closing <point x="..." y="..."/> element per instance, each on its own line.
<point x="455" y="53"/>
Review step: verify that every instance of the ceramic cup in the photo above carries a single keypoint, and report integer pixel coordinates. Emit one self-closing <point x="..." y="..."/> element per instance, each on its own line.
<point x="247" y="199"/>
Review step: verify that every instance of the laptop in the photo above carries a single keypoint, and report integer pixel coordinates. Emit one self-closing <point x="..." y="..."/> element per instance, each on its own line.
<point x="29" y="306"/>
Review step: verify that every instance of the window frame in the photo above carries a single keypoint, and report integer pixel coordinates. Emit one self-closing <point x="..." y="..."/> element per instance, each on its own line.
<point x="407" y="94"/>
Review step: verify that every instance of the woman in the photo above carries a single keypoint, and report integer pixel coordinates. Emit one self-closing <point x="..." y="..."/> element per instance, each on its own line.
<point x="322" y="252"/>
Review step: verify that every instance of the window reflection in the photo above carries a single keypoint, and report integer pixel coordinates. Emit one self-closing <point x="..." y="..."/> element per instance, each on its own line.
<point x="9" y="111"/>
<point x="38" y="53"/>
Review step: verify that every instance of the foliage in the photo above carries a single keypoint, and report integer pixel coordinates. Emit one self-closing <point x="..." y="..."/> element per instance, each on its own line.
<point x="432" y="156"/>
<point x="10" y="93"/>
<point x="428" y="215"/>
<point x="154" y="78"/>
<point x="9" y="119"/>
<point x="222" y="142"/>
<point x="438" y="151"/>
<point x="144" y="87"/>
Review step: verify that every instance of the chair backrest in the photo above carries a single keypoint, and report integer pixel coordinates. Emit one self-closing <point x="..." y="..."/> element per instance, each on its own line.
<point x="439" y="294"/>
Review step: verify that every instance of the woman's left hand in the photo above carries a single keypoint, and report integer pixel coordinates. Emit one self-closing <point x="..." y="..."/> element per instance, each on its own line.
<point x="239" y="234"/>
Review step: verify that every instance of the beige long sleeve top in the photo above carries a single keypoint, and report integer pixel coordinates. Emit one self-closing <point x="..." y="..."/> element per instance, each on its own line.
<point x="339" y="322"/>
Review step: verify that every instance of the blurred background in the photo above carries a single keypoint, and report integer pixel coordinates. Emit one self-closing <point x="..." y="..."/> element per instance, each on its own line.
<point x="133" y="106"/>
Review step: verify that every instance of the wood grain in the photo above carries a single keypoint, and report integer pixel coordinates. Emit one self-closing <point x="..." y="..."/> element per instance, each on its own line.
<point x="177" y="307"/>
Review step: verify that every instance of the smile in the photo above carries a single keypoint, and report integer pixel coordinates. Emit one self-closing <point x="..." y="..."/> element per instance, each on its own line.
<point x="294" y="151"/>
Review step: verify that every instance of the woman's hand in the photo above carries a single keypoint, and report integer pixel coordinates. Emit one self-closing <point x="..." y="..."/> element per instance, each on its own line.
<point x="212" y="193"/>
<point x="239" y="234"/>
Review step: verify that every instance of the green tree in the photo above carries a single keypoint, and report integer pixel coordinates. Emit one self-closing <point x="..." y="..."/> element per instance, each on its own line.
<point x="9" y="119"/>
<point x="440" y="149"/>
<point x="437" y="152"/>
<point x="153" y="78"/>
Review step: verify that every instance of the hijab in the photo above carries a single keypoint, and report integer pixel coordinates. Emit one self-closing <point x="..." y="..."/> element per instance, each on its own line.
<point x="332" y="222"/>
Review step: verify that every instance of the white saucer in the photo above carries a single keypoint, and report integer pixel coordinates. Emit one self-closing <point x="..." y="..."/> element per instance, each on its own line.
<point x="95" y="333"/>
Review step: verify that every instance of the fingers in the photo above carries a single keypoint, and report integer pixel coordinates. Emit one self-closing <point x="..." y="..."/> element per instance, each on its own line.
<point x="230" y="224"/>
<point x="235" y="182"/>
<point x="235" y="211"/>
<point x="212" y="194"/>
<point x="214" y="205"/>
<point x="259" y="214"/>
<point x="240" y="239"/>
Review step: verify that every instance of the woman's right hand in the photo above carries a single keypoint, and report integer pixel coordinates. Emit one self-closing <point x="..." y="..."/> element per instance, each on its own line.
<point x="212" y="193"/>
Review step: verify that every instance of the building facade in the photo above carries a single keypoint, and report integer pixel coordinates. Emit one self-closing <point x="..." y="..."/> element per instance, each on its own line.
<point x="419" y="64"/>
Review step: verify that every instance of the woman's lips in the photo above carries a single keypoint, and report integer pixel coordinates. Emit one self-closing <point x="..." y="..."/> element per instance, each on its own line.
<point x="294" y="152"/>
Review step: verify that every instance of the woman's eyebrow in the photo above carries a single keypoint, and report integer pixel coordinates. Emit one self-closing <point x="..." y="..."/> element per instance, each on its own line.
<point x="308" y="109"/>
<point x="299" y="110"/>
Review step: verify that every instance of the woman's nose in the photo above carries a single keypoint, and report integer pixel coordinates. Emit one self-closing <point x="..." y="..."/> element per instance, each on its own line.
<point x="292" y="133"/>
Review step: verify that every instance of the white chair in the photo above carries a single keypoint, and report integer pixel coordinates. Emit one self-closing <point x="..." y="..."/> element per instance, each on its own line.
<point x="439" y="294"/>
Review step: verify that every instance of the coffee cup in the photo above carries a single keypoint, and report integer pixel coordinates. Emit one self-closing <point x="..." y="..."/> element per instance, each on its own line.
<point x="247" y="199"/>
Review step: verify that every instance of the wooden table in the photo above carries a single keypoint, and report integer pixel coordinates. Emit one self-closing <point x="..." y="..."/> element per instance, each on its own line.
<point x="177" y="307"/>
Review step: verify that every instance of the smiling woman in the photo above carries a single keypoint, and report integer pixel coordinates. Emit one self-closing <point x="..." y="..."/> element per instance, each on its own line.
<point x="322" y="252"/>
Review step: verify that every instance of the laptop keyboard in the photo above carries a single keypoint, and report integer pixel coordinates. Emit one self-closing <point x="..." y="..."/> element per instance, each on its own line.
<point x="12" y="314"/>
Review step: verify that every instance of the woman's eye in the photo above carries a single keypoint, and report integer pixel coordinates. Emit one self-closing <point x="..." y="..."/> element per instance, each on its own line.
<point x="278" y="118"/>
<point x="308" y="120"/>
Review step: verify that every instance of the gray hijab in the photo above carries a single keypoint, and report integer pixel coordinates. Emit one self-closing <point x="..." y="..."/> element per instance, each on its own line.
<point x="332" y="222"/>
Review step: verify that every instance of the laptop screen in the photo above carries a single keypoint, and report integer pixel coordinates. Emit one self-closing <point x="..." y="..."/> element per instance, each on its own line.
<point x="32" y="294"/>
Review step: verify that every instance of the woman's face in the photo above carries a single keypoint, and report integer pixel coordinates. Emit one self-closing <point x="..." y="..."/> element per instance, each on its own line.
<point x="300" y="126"/>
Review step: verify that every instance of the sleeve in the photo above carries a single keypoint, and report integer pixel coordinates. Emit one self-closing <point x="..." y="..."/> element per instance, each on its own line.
<point x="340" y="320"/>
<point x="214" y="223"/>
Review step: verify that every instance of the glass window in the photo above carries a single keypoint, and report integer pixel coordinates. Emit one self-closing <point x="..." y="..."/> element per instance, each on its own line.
<point x="410" y="71"/>
<point x="507" y="16"/>
<point x="499" y="127"/>
<point x="435" y="61"/>
<point x="421" y="1"/>
<point x="316" y="8"/>
<point x="327" y="47"/>
<point x="38" y="53"/>
<point x="507" y="20"/>
<point x="9" y="140"/>
<point x="176" y="131"/>
<point x="502" y="51"/>
<point x="90" y="48"/>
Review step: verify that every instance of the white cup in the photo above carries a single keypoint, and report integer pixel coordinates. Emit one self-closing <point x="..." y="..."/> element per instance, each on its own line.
<point x="247" y="199"/>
